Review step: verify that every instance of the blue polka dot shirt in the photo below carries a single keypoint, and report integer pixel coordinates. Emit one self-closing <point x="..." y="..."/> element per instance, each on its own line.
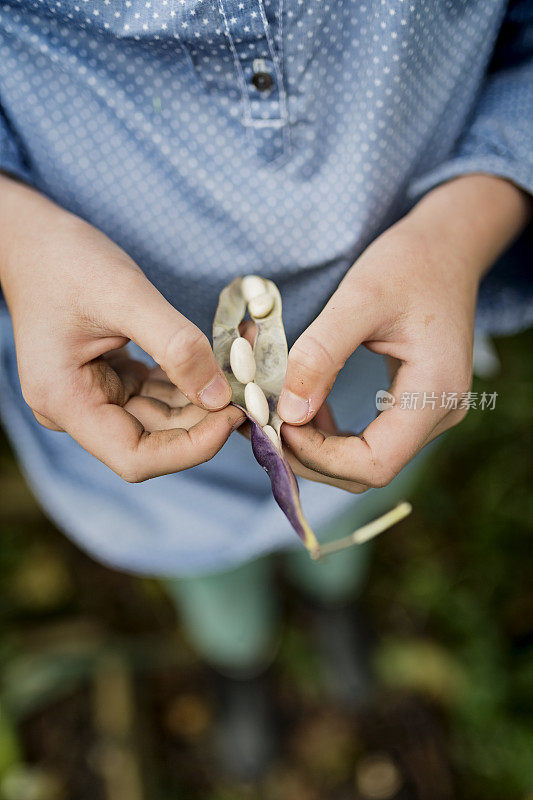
<point x="212" y="138"/>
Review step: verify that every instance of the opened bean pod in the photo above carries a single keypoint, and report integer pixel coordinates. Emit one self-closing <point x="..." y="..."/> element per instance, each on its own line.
<point x="256" y="374"/>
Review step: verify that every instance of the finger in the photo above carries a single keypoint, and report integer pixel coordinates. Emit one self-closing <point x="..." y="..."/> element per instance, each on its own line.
<point x="175" y="343"/>
<point x="157" y="374"/>
<point x="319" y="354"/>
<point x="319" y="477"/>
<point x="396" y="435"/>
<point x="132" y="373"/>
<point x="245" y="429"/>
<point x="387" y="444"/>
<point x="46" y="423"/>
<point x="119" y="440"/>
<point x="306" y="472"/>
<point x="159" y="386"/>
<point x="320" y="452"/>
<point x="449" y="421"/>
<point x="155" y="415"/>
<point x="393" y="365"/>
<point x="165" y="391"/>
<point x="325" y="421"/>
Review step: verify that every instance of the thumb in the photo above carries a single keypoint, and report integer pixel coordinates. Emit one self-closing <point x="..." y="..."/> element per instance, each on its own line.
<point x="175" y="343"/>
<point x="316" y="358"/>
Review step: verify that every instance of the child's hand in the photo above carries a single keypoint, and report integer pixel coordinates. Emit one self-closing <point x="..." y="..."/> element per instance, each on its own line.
<point x="412" y="296"/>
<point x="76" y="299"/>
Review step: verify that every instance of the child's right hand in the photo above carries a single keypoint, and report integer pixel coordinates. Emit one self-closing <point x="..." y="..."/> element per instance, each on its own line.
<point x="75" y="299"/>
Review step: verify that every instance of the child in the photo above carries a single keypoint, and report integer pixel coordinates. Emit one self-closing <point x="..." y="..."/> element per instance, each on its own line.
<point x="378" y="154"/>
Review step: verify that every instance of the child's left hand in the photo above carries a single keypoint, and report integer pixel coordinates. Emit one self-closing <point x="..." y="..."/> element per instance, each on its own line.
<point x="412" y="296"/>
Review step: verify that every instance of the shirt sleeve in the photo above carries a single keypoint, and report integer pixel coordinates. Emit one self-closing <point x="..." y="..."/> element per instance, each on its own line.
<point x="12" y="161"/>
<point x="499" y="141"/>
<point x="499" y="137"/>
<point x="12" y="157"/>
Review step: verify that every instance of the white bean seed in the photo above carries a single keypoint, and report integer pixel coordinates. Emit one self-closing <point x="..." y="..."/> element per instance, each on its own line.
<point x="256" y="403"/>
<point x="242" y="361"/>
<point x="261" y="305"/>
<point x="273" y="436"/>
<point x="251" y="286"/>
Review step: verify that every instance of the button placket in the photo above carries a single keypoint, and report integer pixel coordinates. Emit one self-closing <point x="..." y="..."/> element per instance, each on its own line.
<point x="257" y="60"/>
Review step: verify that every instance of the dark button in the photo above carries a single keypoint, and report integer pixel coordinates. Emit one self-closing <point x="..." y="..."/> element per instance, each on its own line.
<point x="263" y="81"/>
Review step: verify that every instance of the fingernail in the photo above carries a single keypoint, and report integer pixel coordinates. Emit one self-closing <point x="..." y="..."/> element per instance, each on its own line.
<point x="292" y="408"/>
<point x="216" y="394"/>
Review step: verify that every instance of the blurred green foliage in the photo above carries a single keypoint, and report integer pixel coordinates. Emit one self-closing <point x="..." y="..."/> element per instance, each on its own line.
<point x="459" y="578"/>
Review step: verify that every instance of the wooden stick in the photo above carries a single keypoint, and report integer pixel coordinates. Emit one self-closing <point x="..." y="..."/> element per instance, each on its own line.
<point x="367" y="532"/>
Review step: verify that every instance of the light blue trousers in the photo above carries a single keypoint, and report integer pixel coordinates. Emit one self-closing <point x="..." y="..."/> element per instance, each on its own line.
<point x="232" y="618"/>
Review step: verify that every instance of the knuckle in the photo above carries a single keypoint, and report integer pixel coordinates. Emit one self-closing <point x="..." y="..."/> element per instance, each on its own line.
<point x="464" y="384"/>
<point x="185" y="346"/>
<point x="313" y="355"/>
<point x="457" y="375"/>
<point x="131" y="474"/>
<point x="102" y="383"/>
<point x="45" y="422"/>
<point x="357" y="488"/>
<point x="39" y="417"/>
<point x="460" y="415"/>
<point x="381" y="477"/>
<point x="130" y="468"/>
<point x="37" y="396"/>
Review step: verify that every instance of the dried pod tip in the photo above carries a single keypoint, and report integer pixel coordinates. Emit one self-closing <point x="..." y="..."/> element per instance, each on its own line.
<point x="316" y="553"/>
